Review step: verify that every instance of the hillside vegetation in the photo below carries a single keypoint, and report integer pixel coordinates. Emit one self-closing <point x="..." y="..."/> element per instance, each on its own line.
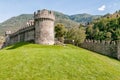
<point x="25" y="61"/>
<point x="83" y="18"/>
<point x="17" y="22"/>
<point x="105" y="28"/>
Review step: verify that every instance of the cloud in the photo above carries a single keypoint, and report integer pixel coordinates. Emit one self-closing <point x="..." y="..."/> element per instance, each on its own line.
<point x="102" y="8"/>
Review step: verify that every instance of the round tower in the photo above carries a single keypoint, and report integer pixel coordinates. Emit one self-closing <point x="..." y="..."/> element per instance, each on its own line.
<point x="44" y="27"/>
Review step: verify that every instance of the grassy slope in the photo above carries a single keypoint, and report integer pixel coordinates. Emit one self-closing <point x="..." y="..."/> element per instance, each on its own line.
<point x="38" y="62"/>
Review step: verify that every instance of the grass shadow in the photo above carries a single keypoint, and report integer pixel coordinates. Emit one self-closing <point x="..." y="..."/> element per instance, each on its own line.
<point x="17" y="45"/>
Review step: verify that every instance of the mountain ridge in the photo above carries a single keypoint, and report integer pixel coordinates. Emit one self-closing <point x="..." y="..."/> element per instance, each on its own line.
<point x="16" y="22"/>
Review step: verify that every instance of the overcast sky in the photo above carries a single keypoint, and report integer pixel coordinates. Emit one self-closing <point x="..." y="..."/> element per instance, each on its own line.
<point x="10" y="8"/>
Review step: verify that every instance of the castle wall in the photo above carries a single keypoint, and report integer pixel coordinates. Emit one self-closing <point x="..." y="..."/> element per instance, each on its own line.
<point x="111" y="49"/>
<point x="118" y="50"/>
<point x="40" y="30"/>
<point x="108" y="48"/>
<point x="24" y="34"/>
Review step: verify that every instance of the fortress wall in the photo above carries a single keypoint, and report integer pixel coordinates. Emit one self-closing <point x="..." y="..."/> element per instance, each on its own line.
<point x="118" y="50"/>
<point x="24" y="34"/>
<point x="29" y="35"/>
<point x="108" y="48"/>
<point x="40" y="30"/>
<point x="102" y="47"/>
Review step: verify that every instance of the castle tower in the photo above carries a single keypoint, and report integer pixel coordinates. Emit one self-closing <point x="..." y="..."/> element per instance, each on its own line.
<point x="44" y="27"/>
<point x="7" y="36"/>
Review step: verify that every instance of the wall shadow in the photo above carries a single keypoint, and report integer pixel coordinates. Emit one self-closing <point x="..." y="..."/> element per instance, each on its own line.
<point x="17" y="45"/>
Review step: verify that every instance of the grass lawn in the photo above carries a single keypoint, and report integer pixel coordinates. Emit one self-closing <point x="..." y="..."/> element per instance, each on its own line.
<point x="25" y="61"/>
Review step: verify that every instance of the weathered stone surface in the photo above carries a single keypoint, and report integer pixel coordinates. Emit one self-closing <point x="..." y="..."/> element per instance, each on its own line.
<point x="44" y="27"/>
<point x="104" y="47"/>
<point x="40" y="30"/>
<point x="118" y="50"/>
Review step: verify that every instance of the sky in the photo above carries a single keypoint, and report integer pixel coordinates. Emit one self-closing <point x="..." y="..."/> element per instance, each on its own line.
<point x="10" y="8"/>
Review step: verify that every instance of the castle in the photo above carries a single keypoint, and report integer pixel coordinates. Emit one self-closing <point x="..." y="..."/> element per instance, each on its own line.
<point x="40" y="30"/>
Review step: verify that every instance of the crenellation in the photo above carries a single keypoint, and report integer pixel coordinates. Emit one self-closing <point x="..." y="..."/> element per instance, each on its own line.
<point x="92" y="41"/>
<point x="40" y="30"/>
<point x="98" y="41"/>
<point x="95" y="41"/>
<point x="44" y="14"/>
<point x="109" y="48"/>
<point x="30" y="23"/>
<point x="103" y="42"/>
<point x="44" y="27"/>
<point x="88" y="40"/>
<point x="107" y="42"/>
<point x="113" y="43"/>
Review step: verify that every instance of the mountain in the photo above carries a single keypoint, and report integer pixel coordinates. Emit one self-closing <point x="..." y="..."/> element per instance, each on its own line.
<point x="17" y="22"/>
<point x="83" y="18"/>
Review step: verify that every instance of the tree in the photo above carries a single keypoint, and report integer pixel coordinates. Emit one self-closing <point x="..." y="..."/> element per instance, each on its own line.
<point x="117" y="34"/>
<point x="96" y="33"/>
<point x="89" y="32"/>
<point x="77" y="34"/>
<point x="60" y="32"/>
<point x="108" y="35"/>
<point x="104" y="29"/>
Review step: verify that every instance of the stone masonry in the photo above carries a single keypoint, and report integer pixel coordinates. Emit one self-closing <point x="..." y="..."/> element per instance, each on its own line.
<point x="40" y="30"/>
<point x="44" y="27"/>
<point x="108" y="48"/>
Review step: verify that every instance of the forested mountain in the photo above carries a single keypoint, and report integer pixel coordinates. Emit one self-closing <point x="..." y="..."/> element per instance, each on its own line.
<point x="17" y="22"/>
<point x="83" y="18"/>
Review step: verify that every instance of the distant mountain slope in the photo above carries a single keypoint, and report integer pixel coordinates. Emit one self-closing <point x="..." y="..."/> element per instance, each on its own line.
<point x="83" y="18"/>
<point x="17" y="22"/>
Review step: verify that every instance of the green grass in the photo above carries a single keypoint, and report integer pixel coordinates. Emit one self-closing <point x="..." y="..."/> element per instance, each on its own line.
<point x="26" y="61"/>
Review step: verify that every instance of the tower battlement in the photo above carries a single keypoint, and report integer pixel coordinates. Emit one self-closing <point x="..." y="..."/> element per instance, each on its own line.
<point x="44" y="27"/>
<point x="44" y="14"/>
<point x="7" y="33"/>
<point x="40" y="30"/>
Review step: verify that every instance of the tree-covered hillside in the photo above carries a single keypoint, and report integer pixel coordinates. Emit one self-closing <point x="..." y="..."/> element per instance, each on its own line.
<point x="83" y="18"/>
<point x="17" y="22"/>
<point x="105" y="28"/>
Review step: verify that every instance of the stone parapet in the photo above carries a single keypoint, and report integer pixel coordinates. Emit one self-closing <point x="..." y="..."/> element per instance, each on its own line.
<point x="40" y="30"/>
<point x="44" y="14"/>
<point x="109" y="48"/>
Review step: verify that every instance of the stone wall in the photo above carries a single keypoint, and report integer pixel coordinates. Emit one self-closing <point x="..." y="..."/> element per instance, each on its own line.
<point x="24" y="34"/>
<point x="40" y="30"/>
<point x="108" y="48"/>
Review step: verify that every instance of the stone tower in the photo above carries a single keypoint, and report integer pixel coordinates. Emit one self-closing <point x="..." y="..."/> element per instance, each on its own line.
<point x="44" y="27"/>
<point x="7" y="36"/>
